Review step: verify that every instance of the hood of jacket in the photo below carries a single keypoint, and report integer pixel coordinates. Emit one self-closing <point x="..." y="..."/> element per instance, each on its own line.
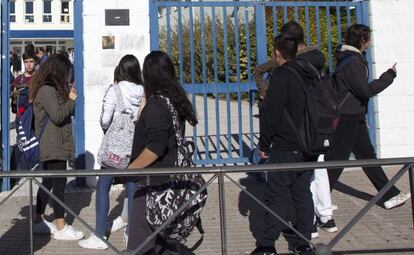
<point x="347" y="50"/>
<point x="131" y="92"/>
<point x="313" y="56"/>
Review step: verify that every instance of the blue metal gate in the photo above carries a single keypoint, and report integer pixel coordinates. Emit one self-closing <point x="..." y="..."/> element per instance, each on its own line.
<point x="216" y="45"/>
<point x="5" y="72"/>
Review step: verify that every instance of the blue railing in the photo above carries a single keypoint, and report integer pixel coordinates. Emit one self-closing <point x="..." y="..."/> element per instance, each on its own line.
<point x="217" y="44"/>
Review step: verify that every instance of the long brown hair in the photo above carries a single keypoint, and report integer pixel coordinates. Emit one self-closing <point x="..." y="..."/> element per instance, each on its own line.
<point x="56" y="72"/>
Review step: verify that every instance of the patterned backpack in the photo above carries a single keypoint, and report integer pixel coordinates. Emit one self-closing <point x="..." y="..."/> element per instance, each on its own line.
<point x="165" y="200"/>
<point x="116" y="147"/>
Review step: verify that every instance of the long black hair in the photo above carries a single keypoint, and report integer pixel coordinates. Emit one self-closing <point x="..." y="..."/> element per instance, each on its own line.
<point x="160" y="79"/>
<point x="128" y="69"/>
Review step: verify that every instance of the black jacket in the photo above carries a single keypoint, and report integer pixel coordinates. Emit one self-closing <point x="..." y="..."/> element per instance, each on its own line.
<point x="353" y="77"/>
<point x="285" y="92"/>
<point x="154" y="130"/>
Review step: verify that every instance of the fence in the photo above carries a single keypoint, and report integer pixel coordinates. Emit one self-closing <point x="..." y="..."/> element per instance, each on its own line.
<point x="220" y="173"/>
<point x="216" y="45"/>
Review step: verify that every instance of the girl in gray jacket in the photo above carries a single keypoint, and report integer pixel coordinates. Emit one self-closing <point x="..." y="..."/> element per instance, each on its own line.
<point x="53" y="95"/>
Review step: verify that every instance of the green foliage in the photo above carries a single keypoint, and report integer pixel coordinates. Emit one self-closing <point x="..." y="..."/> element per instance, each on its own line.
<point x="226" y="70"/>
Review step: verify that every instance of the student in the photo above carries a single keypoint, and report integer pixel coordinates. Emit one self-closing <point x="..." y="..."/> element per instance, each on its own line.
<point x="127" y="77"/>
<point x="279" y="144"/>
<point x="351" y="135"/>
<point x="20" y="85"/>
<point x="296" y="30"/>
<point x="53" y="107"/>
<point x="41" y="55"/>
<point x="155" y="145"/>
<point x="320" y="183"/>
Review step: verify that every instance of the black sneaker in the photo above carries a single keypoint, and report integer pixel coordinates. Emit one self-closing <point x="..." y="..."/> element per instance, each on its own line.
<point x="314" y="233"/>
<point x="304" y="250"/>
<point x="264" y="251"/>
<point x="328" y="226"/>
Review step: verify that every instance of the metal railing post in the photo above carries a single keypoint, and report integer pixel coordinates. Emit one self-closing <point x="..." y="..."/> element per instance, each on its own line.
<point x="411" y="177"/>
<point x="222" y="204"/>
<point x="31" y="214"/>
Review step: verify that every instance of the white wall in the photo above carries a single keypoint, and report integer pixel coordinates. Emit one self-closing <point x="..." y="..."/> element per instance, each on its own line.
<point x="392" y="23"/>
<point x="100" y="64"/>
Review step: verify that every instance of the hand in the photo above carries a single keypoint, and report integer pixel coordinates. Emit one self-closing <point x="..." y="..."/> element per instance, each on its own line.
<point x="394" y="68"/>
<point x="263" y="155"/>
<point x="72" y="94"/>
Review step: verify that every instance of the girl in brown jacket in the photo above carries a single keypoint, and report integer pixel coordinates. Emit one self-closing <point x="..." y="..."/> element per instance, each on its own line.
<point x="53" y="98"/>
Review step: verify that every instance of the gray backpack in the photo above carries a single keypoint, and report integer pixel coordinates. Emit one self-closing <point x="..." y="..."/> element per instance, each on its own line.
<point x="116" y="147"/>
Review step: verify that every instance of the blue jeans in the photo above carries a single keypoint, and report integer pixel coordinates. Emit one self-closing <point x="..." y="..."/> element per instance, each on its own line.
<point x="102" y="201"/>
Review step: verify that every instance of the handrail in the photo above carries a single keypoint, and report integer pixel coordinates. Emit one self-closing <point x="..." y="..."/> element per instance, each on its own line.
<point x="212" y="170"/>
<point x="220" y="172"/>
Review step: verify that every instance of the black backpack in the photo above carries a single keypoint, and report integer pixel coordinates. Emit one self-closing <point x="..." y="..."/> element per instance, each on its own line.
<point x="321" y="118"/>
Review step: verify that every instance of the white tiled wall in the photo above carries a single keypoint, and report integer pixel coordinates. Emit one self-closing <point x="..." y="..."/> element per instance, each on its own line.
<point x="100" y="64"/>
<point x="393" y="39"/>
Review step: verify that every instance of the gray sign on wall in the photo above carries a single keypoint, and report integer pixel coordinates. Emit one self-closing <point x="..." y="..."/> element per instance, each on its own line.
<point x="117" y="17"/>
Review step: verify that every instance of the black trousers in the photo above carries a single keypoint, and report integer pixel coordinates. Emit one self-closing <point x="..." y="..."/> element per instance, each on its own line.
<point x="352" y="137"/>
<point x="139" y="230"/>
<point x="283" y="191"/>
<point x="57" y="185"/>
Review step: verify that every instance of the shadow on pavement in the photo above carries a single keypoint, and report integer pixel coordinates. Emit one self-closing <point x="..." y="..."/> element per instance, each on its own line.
<point x="341" y="187"/>
<point x="16" y="241"/>
<point x="249" y="207"/>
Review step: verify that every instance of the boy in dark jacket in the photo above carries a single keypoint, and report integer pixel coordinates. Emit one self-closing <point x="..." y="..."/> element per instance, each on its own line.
<point x="352" y="132"/>
<point x="278" y="144"/>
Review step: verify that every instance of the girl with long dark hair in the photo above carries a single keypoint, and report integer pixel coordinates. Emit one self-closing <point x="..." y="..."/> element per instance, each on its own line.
<point x="155" y="144"/>
<point x="127" y="77"/>
<point x="53" y="98"/>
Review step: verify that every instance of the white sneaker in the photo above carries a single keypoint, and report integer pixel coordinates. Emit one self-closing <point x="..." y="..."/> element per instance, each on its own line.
<point x="93" y="242"/>
<point x="68" y="233"/>
<point x="118" y="224"/>
<point x="334" y="207"/>
<point x="125" y="237"/>
<point x="397" y="200"/>
<point x="44" y="227"/>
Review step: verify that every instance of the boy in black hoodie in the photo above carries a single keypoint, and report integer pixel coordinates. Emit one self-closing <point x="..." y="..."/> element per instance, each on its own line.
<point x="279" y="144"/>
<point x="352" y="132"/>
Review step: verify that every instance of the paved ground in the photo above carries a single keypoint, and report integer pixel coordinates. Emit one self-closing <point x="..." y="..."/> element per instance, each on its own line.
<point x="379" y="232"/>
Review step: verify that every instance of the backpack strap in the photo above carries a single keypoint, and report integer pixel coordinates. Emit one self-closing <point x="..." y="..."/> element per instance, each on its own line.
<point x="119" y="98"/>
<point x="343" y="62"/>
<point x="176" y="122"/>
<point x="285" y="111"/>
<point x="298" y="76"/>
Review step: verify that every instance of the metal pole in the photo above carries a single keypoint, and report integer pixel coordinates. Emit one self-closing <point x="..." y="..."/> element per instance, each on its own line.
<point x="411" y="177"/>
<point x="367" y="207"/>
<point x="31" y="214"/>
<point x="222" y="204"/>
